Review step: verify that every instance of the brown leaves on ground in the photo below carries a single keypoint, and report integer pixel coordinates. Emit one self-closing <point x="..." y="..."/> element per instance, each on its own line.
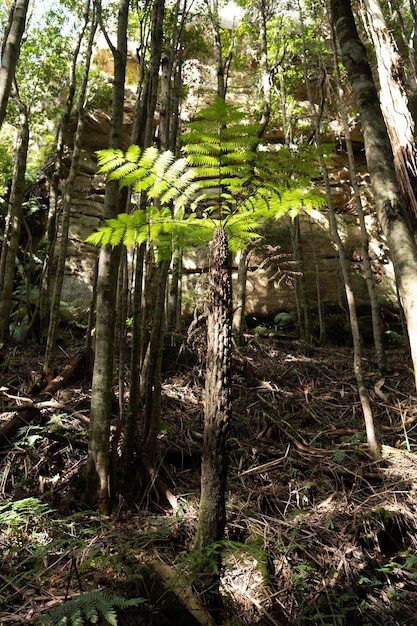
<point x="317" y="532"/>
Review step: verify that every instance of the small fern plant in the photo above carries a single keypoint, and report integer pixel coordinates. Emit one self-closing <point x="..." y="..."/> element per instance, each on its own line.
<point x="224" y="182"/>
<point x="88" y="608"/>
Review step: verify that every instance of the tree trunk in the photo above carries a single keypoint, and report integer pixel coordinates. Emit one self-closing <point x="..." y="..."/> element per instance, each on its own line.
<point x="320" y="307"/>
<point x="98" y="462"/>
<point x="153" y="383"/>
<point x="240" y="300"/>
<point x="388" y="201"/>
<point x="175" y="292"/>
<point x="10" y="51"/>
<point x="54" y="193"/>
<point x="370" y="283"/>
<point x="304" y="316"/>
<point x="394" y="106"/>
<point x="217" y="414"/>
<point x="150" y="92"/>
<point x="66" y="213"/>
<point x="11" y="244"/>
<point x="357" y="348"/>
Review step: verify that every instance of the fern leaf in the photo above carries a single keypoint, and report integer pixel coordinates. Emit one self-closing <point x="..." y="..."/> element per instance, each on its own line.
<point x="96" y="238"/>
<point x="109" y="159"/>
<point x="111" y="617"/>
<point x="133" y="153"/>
<point x="148" y="158"/>
<point x="122" y="171"/>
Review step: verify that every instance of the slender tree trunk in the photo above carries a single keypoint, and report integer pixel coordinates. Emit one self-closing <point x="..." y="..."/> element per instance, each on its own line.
<point x="240" y="299"/>
<point x="213" y="9"/>
<point x="370" y="283"/>
<point x="51" y="225"/>
<point x="217" y="414"/>
<point x="98" y="462"/>
<point x="301" y="289"/>
<point x="135" y="401"/>
<point x="153" y="384"/>
<point x="10" y="51"/>
<point x="175" y="292"/>
<point x="320" y="312"/>
<point x="150" y="91"/>
<point x="388" y="201"/>
<point x="49" y="362"/>
<point x="265" y="70"/>
<point x="11" y="244"/>
<point x="266" y="81"/>
<point x="357" y="349"/>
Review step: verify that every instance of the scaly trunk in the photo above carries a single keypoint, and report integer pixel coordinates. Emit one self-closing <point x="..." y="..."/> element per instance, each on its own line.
<point x="217" y="413"/>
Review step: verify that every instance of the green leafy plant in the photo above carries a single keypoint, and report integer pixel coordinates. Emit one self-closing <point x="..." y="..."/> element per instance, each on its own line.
<point x="225" y="181"/>
<point x="88" y="608"/>
<point x="18" y="515"/>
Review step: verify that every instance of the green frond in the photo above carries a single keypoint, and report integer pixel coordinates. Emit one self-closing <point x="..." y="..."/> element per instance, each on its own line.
<point x="203" y="160"/>
<point x="122" y="171"/>
<point x="91" y="607"/>
<point x="133" y="153"/>
<point x="132" y="179"/>
<point x="163" y="162"/>
<point x="148" y="158"/>
<point x="108" y="160"/>
<point x="96" y="238"/>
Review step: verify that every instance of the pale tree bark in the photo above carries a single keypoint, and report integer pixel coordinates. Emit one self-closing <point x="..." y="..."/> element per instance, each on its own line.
<point x="394" y="105"/>
<point x="303" y="306"/>
<point x="98" y="462"/>
<point x="350" y="298"/>
<point x="217" y="415"/>
<point x="222" y="62"/>
<point x="369" y="278"/>
<point x="10" y="51"/>
<point x="49" y="362"/>
<point x="389" y="204"/>
<point x="239" y="304"/>
<point x="320" y="307"/>
<point x="14" y="222"/>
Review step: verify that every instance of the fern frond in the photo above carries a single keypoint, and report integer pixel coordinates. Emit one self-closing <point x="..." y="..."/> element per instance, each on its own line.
<point x="90" y="606"/>
<point x="108" y="160"/>
<point x="133" y="153"/>
<point x="122" y="171"/>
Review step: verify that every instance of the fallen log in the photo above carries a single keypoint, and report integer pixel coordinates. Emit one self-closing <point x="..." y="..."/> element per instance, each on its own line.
<point x="25" y="417"/>
<point x="29" y="410"/>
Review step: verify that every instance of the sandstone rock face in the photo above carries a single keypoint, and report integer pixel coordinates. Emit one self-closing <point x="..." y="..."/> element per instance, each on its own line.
<point x="269" y="290"/>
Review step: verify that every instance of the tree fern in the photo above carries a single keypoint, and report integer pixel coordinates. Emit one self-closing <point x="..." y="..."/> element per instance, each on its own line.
<point x="224" y="181"/>
<point x="88" y="608"/>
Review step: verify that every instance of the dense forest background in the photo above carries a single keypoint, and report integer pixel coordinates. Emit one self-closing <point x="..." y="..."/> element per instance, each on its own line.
<point x="208" y="312"/>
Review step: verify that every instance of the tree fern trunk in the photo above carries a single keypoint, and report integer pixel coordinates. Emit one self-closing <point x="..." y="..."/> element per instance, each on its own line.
<point x="217" y="412"/>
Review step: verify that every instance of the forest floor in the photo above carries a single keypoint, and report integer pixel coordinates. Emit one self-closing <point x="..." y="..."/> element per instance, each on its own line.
<point x="318" y="532"/>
